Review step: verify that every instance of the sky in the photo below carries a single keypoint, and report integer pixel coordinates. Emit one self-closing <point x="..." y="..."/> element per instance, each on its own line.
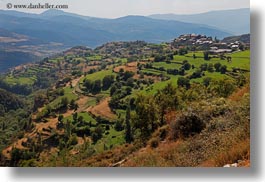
<point x="119" y="8"/>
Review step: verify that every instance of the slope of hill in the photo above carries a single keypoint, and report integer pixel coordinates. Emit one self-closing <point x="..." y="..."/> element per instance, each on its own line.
<point x="9" y="102"/>
<point x="234" y="21"/>
<point x="129" y="104"/>
<point x="14" y="58"/>
<point x="17" y="49"/>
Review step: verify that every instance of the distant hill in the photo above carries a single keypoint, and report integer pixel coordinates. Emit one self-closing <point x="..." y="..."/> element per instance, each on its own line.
<point x="71" y="29"/>
<point x="242" y="38"/>
<point x="234" y="21"/>
<point x="29" y="37"/>
<point x="14" y="58"/>
<point x="16" y="49"/>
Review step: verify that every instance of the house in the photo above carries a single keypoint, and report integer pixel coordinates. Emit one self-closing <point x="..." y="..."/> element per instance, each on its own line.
<point x="214" y="48"/>
<point x="220" y="51"/>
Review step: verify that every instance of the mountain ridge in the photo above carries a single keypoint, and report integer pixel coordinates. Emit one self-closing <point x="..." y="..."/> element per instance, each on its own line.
<point x="140" y="27"/>
<point x="64" y="30"/>
<point x="233" y="21"/>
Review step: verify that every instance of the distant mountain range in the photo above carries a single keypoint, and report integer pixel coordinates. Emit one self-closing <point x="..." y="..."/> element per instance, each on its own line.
<point x="236" y="21"/>
<point x="71" y="29"/>
<point x="34" y="36"/>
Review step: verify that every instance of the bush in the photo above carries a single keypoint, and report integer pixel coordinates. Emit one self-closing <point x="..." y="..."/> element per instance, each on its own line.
<point x="73" y="140"/>
<point x="187" y="125"/>
<point x="161" y="133"/>
<point x="119" y="125"/>
<point x="223" y="69"/>
<point x="223" y="87"/>
<point x="182" y="81"/>
<point x="154" y="142"/>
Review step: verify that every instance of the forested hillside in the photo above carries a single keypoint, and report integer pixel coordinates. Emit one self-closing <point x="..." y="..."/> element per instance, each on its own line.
<point x="180" y="103"/>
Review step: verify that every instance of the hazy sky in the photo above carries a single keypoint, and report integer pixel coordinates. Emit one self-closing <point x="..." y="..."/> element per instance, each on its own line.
<point x="118" y="8"/>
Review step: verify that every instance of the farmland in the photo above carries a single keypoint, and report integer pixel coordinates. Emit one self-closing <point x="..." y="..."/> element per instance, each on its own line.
<point x="123" y="101"/>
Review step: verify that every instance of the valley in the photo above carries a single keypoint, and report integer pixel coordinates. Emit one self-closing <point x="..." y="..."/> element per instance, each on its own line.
<point x="132" y="103"/>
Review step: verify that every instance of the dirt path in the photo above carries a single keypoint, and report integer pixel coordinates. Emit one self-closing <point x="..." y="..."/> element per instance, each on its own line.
<point x="75" y="83"/>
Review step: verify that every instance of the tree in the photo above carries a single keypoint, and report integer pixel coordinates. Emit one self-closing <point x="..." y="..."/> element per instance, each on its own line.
<point x="128" y="130"/>
<point x="172" y="71"/>
<point x="80" y="119"/>
<point x="75" y="115"/>
<point x="64" y="102"/>
<point x="223" y="87"/>
<point x="187" y="66"/>
<point x="130" y="82"/>
<point x="107" y="82"/>
<point x="121" y="70"/>
<point x="223" y="69"/>
<point x="96" y="86"/>
<point x="181" y="71"/>
<point x="118" y="125"/>
<point x="206" y="81"/>
<point x="183" y="51"/>
<point x="229" y="59"/>
<point x="206" y="55"/>
<point x="113" y="90"/>
<point x="183" y="82"/>
<point x="210" y="68"/>
<point x="16" y="156"/>
<point x="127" y="75"/>
<point x="216" y="39"/>
<point x="73" y="105"/>
<point x="60" y="117"/>
<point x="196" y="74"/>
<point x="204" y="67"/>
<point x="88" y="84"/>
<point x="166" y="100"/>
<point x="97" y="134"/>
<point x="188" y="124"/>
<point x="241" y="47"/>
<point x="217" y="67"/>
<point x="146" y="118"/>
<point x="39" y="101"/>
<point x="159" y="58"/>
<point x="68" y="128"/>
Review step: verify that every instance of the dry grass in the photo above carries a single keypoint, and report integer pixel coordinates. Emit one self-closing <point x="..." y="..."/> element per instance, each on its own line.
<point x="237" y="96"/>
<point x="102" y="109"/>
<point x="225" y="140"/>
<point x="129" y="67"/>
<point x="240" y="151"/>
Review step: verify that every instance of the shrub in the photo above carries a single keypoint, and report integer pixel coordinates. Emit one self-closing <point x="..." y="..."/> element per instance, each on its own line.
<point x="182" y="81"/>
<point x="188" y="124"/>
<point x="154" y="142"/>
<point x="119" y="125"/>
<point x="73" y="140"/>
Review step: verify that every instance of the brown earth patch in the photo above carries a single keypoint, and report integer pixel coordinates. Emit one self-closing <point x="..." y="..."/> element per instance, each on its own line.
<point x="88" y="68"/>
<point x="129" y="67"/>
<point x="102" y="109"/>
<point x="82" y="103"/>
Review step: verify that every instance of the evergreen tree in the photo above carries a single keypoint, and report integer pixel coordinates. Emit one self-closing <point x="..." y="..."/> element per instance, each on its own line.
<point x="128" y="130"/>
